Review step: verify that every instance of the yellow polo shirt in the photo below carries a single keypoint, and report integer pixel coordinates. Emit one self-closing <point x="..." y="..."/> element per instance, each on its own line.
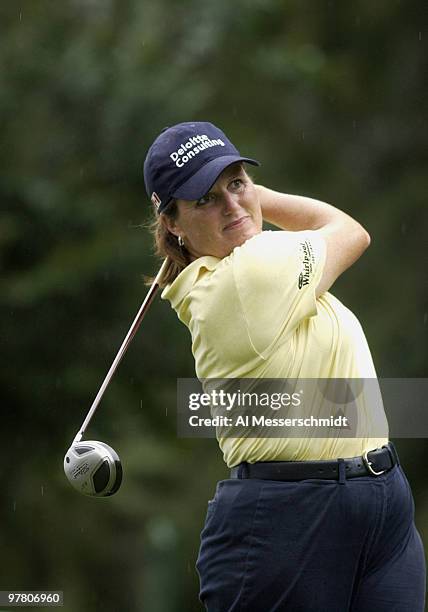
<point x="254" y="314"/>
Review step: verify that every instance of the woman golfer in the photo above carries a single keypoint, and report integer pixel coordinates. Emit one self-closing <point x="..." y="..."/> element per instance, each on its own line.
<point x="308" y="524"/>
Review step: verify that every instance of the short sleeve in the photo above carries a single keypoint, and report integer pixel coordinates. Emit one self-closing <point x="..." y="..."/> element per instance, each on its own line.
<point x="276" y="274"/>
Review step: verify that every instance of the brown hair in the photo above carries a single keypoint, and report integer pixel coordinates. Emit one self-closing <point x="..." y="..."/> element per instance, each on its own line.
<point x="167" y="247"/>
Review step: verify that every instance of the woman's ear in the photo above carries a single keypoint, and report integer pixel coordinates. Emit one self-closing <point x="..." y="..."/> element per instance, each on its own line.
<point x="170" y="224"/>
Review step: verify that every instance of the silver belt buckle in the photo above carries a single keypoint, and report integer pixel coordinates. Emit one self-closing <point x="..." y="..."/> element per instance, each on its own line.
<point x="368" y="465"/>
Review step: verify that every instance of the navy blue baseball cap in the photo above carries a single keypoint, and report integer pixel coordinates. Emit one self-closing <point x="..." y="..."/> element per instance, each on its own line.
<point x="185" y="161"/>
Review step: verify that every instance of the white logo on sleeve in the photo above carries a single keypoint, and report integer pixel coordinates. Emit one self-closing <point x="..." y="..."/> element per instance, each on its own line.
<point x="192" y="147"/>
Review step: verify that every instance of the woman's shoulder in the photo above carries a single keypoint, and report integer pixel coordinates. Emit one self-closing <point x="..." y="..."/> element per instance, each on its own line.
<point x="279" y="238"/>
<point x="275" y="247"/>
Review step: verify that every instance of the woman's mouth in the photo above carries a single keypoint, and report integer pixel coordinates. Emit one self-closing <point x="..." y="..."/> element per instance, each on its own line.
<point x="235" y="224"/>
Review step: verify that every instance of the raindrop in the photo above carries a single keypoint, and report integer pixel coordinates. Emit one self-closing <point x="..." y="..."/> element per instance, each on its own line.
<point x="20" y="18"/>
<point x="14" y="506"/>
<point x="420" y="35"/>
<point x="303" y="135"/>
<point x="425" y="318"/>
<point x="42" y="490"/>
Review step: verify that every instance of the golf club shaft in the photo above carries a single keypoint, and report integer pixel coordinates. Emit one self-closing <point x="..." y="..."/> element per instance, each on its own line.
<point x="129" y="336"/>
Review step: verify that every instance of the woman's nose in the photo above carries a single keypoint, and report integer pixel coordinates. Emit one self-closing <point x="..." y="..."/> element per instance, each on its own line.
<point x="231" y="202"/>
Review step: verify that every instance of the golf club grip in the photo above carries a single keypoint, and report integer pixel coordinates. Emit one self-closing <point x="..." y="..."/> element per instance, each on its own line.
<point x="128" y="338"/>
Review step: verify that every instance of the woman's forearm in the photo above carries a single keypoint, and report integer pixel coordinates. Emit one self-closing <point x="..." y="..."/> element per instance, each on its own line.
<point x="297" y="213"/>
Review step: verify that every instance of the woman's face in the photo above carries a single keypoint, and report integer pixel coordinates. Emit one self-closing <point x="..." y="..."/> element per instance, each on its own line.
<point x="224" y="218"/>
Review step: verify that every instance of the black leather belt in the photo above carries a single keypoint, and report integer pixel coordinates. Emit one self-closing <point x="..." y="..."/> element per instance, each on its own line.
<point x="372" y="463"/>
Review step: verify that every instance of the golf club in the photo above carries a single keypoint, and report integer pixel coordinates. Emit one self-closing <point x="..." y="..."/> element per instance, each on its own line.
<point x="94" y="468"/>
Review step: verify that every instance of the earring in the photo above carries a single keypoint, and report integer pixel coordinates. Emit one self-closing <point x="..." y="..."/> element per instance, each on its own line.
<point x="180" y="241"/>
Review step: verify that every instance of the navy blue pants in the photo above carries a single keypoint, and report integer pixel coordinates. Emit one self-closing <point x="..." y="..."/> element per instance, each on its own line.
<point x="312" y="546"/>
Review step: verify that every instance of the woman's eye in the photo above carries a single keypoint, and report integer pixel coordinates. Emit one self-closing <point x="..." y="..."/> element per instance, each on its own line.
<point x="206" y="199"/>
<point x="237" y="183"/>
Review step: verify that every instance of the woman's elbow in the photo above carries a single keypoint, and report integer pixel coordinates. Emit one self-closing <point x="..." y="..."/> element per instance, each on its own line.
<point x="366" y="239"/>
<point x="362" y="237"/>
<point x="362" y="241"/>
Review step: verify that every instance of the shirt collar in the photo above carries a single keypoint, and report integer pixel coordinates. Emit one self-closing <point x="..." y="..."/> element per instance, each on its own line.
<point x="181" y="286"/>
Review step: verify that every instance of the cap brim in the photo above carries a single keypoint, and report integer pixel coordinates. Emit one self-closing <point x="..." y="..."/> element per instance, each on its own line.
<point x="201" y="182"/>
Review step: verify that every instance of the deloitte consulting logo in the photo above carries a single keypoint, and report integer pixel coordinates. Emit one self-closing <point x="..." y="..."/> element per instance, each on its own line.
<point x="193" y="146"/>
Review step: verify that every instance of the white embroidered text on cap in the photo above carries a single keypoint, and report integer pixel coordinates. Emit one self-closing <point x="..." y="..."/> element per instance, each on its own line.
<point x="192" y="147"/>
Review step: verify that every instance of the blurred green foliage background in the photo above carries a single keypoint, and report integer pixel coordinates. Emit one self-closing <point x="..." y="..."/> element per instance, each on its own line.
<point x="331" y="97"/>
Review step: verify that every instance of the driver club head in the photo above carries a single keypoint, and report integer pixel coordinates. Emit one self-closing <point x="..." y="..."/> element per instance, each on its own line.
<point x="93" y="468"/>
